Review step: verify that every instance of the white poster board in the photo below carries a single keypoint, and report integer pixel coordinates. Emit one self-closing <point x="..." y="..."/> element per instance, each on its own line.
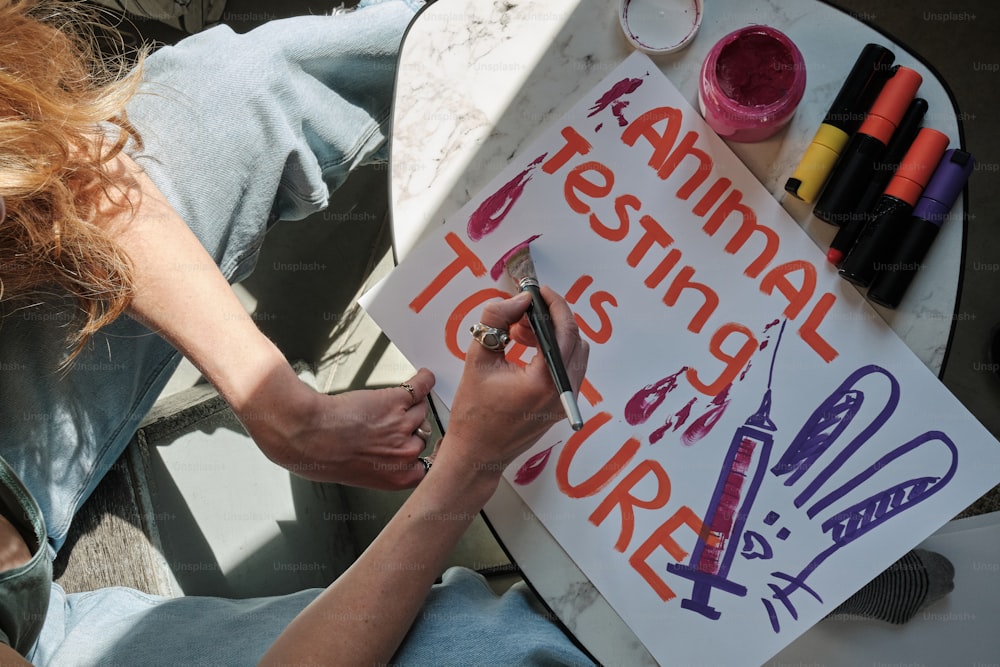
<point x="758" y="442"/>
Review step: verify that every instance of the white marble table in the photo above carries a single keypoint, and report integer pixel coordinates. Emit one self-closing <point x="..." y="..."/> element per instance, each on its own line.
<point x="478" y="79"/>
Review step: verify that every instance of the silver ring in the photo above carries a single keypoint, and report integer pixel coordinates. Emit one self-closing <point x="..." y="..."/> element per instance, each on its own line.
<point x="427" y="463"/>
<point x="491" y="338"/>
<point x="422" y="434"/>
<point x="408" y="387"/>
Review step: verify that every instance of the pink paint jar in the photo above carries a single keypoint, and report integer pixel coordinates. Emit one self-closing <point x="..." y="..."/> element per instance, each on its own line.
<point x="751" y="83"/>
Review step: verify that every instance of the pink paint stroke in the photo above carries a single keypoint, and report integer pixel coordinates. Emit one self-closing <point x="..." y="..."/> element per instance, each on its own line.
<point x="645" y="401"/>
<point x="674" y="422"/>
<point x="533" y="467"/>
<point x="684" y="413"/>
<point x="501" y="264"/>
<point x="618" y="109"/>
<point x="495" y="208"/>
<point x="617" y="91"/>
<point x="704" y="424"/>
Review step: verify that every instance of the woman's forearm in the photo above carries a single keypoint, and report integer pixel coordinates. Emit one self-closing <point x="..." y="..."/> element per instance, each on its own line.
<point x="181" y="294"/>
<point x="362" y="438"/>
<point x="362" y="618"/>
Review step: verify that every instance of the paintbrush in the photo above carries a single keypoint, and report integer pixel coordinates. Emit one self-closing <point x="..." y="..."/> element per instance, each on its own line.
<point x="522" y="270"/>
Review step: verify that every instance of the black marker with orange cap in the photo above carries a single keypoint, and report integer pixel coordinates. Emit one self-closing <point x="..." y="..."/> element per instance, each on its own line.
<point x="902" y="140"/>
<point x="939" y="196"/>
<point x="857" y="164"/>
<point x="875" y="244"/>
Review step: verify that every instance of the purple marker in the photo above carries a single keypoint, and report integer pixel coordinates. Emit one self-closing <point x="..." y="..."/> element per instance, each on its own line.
<point x="939" y="196"/>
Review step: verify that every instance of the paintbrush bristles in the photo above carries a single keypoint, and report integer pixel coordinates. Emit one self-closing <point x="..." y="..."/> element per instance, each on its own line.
<point x="521" y="269"/>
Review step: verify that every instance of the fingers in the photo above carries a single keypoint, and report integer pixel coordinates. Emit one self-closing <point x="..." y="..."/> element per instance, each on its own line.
<point x="499" y="314"/>
<point x="509" y="314"/>
<point x="419" y="386"/>
<point x="503" y="313"/>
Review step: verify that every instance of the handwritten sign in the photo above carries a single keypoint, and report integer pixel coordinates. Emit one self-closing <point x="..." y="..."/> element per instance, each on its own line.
<point x="758" y="443"/>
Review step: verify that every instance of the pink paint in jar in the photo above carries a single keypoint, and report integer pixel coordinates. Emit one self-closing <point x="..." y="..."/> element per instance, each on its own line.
<point x="751" y="83"/>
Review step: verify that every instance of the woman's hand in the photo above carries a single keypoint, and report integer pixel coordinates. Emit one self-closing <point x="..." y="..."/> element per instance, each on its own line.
<point x="501" y="408"/>
<point x="360" y="438"/>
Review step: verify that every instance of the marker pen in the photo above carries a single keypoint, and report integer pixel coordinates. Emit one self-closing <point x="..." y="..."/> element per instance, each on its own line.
<point x="856" y="95"/>
<point x="901" y="141"/>
<point x="856" y="165"/>
<point x="893" y="209"/>
<point x="947" y="183"/>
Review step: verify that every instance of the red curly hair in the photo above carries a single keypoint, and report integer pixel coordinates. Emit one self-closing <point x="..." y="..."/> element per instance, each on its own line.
<point x="62" y="120"/>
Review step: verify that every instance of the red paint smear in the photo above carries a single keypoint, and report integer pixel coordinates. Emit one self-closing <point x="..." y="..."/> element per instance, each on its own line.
<point x="495" y="208"/>
<point x="706" y="422"/>
<point x="683" y="414"/>
<point x="618" y="109"/>
<point x="623" y="87"/>
<point x="773" y="323"/>
<point x="498" y="268"/>
<point x="673" y="422"/>
<point x="641" y="406"/>
<point x="746" y="370"/>
<point x="598" y="128"/>
<point x="656" y="435"/>
<point x="533" y="467"/>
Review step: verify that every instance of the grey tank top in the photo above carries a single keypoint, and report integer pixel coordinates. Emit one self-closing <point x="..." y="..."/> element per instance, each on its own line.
<point x="24" y="590"/>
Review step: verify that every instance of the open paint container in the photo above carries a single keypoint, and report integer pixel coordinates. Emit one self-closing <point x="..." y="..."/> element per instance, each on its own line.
<point x="660" y="26"/>
<point x="751" y="83"/>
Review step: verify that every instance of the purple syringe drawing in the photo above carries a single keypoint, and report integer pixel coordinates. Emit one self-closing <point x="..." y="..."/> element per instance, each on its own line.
<point x="735" y="491"/>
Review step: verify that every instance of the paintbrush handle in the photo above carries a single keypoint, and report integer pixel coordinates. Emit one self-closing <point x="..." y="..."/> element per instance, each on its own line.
<point x="541" y="323"/>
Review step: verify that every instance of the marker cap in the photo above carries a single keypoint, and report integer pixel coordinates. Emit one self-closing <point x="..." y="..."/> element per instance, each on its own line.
<point x="817" y="163"/>
<point x="945" y="185"/>
<point x="917" y="165"/>
<point x="891" y="104"/>
<point x="912" y="246"/>
<point x="659" y="27"/>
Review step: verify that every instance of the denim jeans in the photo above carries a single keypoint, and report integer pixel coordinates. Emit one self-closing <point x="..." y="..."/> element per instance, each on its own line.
<point x="238" y="131"/>
<point x="462" y="624"/>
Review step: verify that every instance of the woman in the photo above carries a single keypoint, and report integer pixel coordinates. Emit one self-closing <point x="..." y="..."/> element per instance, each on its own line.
<point x="106" y="239"/>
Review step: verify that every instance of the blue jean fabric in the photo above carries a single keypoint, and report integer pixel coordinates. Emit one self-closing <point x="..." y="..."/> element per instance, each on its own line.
<point x="462" y="624"/>
<point x="239" y="131"/>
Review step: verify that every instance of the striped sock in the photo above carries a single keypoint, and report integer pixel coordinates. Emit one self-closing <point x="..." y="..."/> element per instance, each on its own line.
<point x="915" y="581"/>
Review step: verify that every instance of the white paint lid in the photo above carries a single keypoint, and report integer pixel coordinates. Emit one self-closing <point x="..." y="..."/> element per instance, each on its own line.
<point x="660" y="26"/>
